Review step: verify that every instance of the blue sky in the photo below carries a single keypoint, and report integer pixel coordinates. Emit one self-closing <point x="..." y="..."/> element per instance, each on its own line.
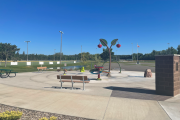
<point x="150" y="23"/>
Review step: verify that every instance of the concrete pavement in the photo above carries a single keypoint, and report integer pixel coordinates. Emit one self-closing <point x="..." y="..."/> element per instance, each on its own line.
<point x="101" y="99"/>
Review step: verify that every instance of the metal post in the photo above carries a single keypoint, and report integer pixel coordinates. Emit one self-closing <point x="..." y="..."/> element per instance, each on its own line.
<point x="60" y="80"/>
<point x="99" y="73"/>
<point x="54" y="54"/>
<point x="83" y="84"/>
<point x="137" y="54"/>
<point x="72" y="82"/>
<point x="27" y="51"/>
<point x="27" y="48"/>
<point x="61" y="46"/>
<point x="61" y="49"/>
<point x="132" y="51"/>
<point x="81" y="53"/>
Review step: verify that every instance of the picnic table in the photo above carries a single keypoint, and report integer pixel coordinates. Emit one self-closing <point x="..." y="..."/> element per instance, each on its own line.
<point x="7" y="71"/>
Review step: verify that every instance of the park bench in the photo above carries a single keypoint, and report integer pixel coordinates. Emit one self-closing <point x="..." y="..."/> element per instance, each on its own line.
<point x="41" y="68"/>
<point x="73" y="79"/>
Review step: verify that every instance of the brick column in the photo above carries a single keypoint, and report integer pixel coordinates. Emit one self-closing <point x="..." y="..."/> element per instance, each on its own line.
<point x="167" y="68"/>
<point x="176" y="73"/>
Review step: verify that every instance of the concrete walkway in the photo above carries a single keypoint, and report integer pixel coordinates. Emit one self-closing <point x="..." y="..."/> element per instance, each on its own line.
<point x="124" y="96"/>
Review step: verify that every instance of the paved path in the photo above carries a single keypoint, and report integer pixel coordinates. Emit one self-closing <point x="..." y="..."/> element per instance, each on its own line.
<point x="101" y="99"/>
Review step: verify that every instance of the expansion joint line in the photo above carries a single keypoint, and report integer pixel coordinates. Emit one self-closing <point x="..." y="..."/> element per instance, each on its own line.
<point x="107" y="104"/>
<point x="164" y="110"/>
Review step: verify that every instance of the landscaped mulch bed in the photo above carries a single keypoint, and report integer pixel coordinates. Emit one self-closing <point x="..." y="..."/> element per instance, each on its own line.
<point x="36" y="115"/>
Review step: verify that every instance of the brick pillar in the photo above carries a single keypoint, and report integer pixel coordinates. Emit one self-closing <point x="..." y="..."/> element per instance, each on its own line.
<point x="176" y="75"/>
<point x="167" y="68"/>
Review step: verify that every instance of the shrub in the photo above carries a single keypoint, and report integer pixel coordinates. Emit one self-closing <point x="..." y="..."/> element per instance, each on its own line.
<point x="51" y="118"/>
<point x="44" y="118"/>
<point x="13" y="115"/>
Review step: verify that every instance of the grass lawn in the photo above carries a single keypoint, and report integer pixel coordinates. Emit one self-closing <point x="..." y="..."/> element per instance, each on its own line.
<point x="22" y="67"/>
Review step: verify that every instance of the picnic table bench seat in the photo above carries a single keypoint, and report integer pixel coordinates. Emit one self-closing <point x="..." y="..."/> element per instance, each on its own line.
<point x="73" y="79"/>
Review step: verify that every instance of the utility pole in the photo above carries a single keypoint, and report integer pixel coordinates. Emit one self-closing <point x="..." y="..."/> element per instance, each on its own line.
<point x="27" y="48"/>
<point x="54" y="54"/>
<point x="61" y="46"/>
<point x="132" y="51"/>
<point x="81" y="53"/>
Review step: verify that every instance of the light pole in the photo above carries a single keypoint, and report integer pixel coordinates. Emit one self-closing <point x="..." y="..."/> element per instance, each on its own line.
<point x="137" y="53"/>
<point x="54" y="54"/>
<point x="61" y="45"/>
<point x="27" y="48"/>
<point x="132" y="51"/>
<point x="81" y="53"/>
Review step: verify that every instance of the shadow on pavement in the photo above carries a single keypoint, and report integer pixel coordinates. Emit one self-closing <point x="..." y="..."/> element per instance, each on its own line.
<point x="57" y="87"/>
<point x="135" y="76"/>
<point x="136" y="93"/>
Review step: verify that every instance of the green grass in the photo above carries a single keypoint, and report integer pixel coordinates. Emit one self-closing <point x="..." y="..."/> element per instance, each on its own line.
<point x="22" y="67"/>
<point x="147" y="65"/>
<point x="34" y="63"/>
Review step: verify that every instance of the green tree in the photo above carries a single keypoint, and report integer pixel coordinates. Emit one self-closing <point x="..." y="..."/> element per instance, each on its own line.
<point x="9" y="50"/>
<point x="178" y="49"/>
<point x="84" y="58"/>
<point x="98" y="60"/>
<point x="173" y="51"/>
<point x="105" y="55"/>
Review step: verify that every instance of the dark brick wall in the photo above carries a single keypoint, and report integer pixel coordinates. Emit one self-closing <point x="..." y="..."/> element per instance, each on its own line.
<point x="167" y="78"/>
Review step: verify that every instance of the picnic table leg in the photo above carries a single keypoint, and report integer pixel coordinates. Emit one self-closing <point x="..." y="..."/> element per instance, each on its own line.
<point x="72" y="86"/>
<point x="61" y="85"/>
<point x="72" y="82"/>
<point x="7" y="74"/>
<point x="61" y="81"/>
<point x="1" y="74"/>
<point x="83" y="84"/>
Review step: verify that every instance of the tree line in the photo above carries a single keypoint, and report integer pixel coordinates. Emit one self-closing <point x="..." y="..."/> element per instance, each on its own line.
<point x="11" y="52"/>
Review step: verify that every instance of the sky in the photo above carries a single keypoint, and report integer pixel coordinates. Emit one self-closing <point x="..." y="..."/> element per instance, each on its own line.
<point x="149" y="23"/>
